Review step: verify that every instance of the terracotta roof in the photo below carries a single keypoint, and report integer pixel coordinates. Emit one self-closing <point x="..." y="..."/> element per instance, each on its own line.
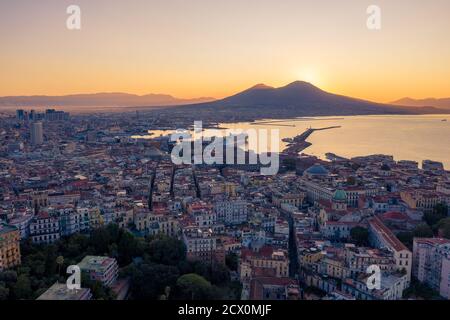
<point x="387" y="234"/>
<point x="394" y="215"/>
<point x="432" y="241"/>
<point x="264" y="252"/>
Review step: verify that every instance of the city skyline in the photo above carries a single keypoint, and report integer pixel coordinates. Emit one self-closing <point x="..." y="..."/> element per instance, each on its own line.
<point x="215" y="49"/>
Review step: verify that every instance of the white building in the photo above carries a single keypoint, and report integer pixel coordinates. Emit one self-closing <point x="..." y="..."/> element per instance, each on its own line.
<point x="231" y="211"/>
<point x="392" y="287"/>
<point x="102" y="269"/>
<point x="201" y="244"/>
<point x="431" y="263"/>
<point x="73" y="221"/>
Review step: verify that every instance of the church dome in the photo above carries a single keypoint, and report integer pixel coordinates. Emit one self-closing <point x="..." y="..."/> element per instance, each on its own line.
<point x="340" y="195"/>
<point x="317" y="170"/>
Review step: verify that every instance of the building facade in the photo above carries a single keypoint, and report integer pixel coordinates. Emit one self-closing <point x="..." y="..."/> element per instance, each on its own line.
<point x="431" y="258"/>
<point x="9" y="246"/>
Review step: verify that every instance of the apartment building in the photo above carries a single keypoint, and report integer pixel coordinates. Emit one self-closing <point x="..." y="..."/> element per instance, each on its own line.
<point x="102" y="269"/>
<point x="231" y="212"/>
<point x="431" y="263"/>
<point x="201" y="244"/>
<point x="294" y="199"/>
<point x="264" y="258"/>
<point x="424" y="200"/>
<point x="44" y="228"/>
<point x="391" y="288"/>
<point x="9" y="246"/>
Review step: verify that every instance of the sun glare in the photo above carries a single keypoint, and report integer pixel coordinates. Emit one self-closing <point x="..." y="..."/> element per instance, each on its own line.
<point x="309" y="75"/>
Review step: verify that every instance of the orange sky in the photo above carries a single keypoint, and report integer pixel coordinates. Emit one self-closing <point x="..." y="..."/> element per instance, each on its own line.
<point x="216" y="47"/>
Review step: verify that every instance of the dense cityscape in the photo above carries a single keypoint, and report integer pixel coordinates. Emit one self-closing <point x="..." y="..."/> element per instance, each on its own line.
<point x="85" y="190"/>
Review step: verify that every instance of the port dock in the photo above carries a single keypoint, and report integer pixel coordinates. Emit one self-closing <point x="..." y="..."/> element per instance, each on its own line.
<point x="299" y="142"/>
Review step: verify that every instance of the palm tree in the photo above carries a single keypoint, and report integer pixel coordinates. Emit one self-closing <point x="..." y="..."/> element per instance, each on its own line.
<point x="60" y="262"/>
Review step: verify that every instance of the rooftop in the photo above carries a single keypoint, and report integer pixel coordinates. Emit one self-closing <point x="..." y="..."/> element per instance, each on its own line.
<point x="97" y="263"/>
<point x="59" y="291"/>
<point x="6" y="228"/>
<point x="387" y="234"/>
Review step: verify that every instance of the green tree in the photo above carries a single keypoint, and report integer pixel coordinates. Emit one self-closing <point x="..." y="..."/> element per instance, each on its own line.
<point x="165" y="250"/>
<point x="418" y="290"/>
<point x="423" y="231"/>
<point x="127" y="247"/>
<point x="406" y="237"/>
<point x="100" y="240"/>
<point x="150" y="281"/>
<point x="59" y="262"/>
<point x="443" y="228"/>
<point x="38" y="268"/>
<point x="22" y="288"/>
<point x="439" y="212"/>
<point x="4" y="291"/>
<point x="360" y="235"/>
<point x="220" y="275"/>
<point x="194" y="287"/>
<point x="8" y="276"/>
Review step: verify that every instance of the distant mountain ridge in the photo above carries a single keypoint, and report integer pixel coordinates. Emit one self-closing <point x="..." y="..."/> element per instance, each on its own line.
<point x="111" y="99"/>
<point x="296" y="99"/>
<point x="443" y="103"/>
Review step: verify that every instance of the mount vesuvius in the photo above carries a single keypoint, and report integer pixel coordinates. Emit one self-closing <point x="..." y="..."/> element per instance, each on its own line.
<point x="299" y="98"/>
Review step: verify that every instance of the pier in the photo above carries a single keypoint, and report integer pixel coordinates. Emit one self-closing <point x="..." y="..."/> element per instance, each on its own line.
<point x="299" y="142"/>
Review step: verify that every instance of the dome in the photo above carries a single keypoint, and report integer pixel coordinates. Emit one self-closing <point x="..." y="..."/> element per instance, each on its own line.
<point x="317" y="170"/>
<point x="340" y="195"/>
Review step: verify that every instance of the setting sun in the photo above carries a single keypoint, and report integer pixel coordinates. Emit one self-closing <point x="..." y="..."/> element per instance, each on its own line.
<point x="310" y="75"/>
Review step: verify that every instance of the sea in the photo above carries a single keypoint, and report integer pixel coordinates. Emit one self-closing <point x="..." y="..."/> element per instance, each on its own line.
<point x="406" y="137"/>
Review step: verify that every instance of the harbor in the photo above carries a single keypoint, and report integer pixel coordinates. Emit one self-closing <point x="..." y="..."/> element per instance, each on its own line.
<point x="299" y="143"/>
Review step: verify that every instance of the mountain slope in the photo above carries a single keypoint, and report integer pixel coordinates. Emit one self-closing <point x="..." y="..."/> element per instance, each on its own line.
<point x="302" y="99"/>
<point x="98" y="99"/>
<point x="430" y="102"/>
